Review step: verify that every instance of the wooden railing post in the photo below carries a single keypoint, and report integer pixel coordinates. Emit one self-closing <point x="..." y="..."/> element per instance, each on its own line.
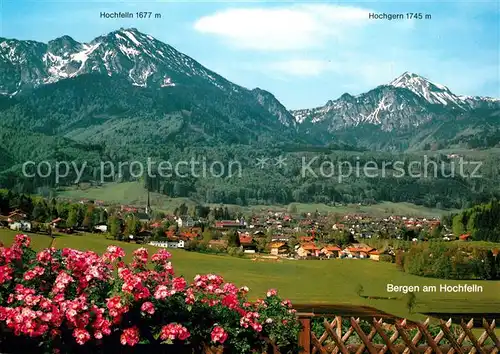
<point x="305" y="333"/>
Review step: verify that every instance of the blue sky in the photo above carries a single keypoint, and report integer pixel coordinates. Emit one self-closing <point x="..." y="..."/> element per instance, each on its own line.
<point x="304" y="53"/>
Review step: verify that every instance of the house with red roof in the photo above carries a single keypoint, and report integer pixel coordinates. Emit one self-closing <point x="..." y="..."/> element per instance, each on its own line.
<point x="331" y="251"/>
<point x="465" y="237"/>
<point x="57" y="222"/>
<point x="279" y="248"/>
<point x="307" y="250"/>
<point x="229" y="224"/>
<point x="247" y="243"/>
<point x="186" y="235"/>
<point x="358" y="251"/>
<point x="306" y="239"/>
<point x="374" y="254"/>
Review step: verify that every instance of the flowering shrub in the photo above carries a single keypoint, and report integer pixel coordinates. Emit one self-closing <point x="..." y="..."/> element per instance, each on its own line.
<point x="68" y="299"/>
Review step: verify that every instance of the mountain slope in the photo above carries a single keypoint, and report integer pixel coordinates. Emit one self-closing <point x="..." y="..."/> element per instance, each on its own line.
<point x="438" y="94"/>
<point x="126" y="52"/>
<point x="401" y="115"/>
<point x="83" y="90"/>
<point x="406" y="102"/>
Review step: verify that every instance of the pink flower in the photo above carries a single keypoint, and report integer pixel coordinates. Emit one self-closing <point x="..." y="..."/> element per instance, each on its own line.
<point x="45" y="256"/>
<point x="230" y="301"/>
<point x="174" y="331"/>
<point x="5" y="273"/>
<point x="219" y="335"/>
<point x="179" y="284"/>
<point x="81" y="336"/>
<point x="272" y="292"/>
<point x="141" y="255"/>
<point x="22" y="240"/>
<point x="113" y="253"/>
<point x="60" y="290"/>
<point x="161" y="292"/>
<point x="130" y="336"/>
<point x="161" y="256"/>
<point x="148" y="308"/>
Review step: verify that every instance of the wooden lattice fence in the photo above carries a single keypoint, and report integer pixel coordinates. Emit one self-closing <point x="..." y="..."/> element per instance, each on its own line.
<point x="396" y="337"/>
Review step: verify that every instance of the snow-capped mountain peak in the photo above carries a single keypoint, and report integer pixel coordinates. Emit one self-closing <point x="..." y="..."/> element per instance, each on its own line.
<point x="127" y="52"/>
<point x="432" y="92"/>
<point x="407" y="101"/>
<point x="408" y="79"/>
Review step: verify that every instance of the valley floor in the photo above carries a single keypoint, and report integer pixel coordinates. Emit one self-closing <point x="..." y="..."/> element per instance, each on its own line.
<point x="133" y="193"/>
<point x="308" y="282"/>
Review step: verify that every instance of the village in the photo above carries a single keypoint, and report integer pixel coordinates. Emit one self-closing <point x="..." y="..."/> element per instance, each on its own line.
<point x="271" y="234"/>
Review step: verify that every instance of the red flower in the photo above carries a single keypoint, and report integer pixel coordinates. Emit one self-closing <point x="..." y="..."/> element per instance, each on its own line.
<point x="179" y="284"/>
<point x="81" y="336"/>
<point x="219" y="335"/>
<point x="174" y="331"/>
<point x="59" y="290"/>
<point x="272" y="292"/>
<point x="130" y="336"/>
<point x="161" y="256"/>
<point x="230" y="301"/>
<point x="148" y="308"/>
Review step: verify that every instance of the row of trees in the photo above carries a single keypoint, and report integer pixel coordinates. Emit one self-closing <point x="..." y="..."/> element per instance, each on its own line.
<point x="43" y="211"/>
<point x="293" y="183"/>
<point x="449" y="261"/>
<point x="481" y="221"/>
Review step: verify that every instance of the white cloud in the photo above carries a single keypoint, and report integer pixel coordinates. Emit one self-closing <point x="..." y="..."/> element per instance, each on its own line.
<point x="283" y="28"/>
<point x="335" y="49"/>
<point x="355" y="74"/>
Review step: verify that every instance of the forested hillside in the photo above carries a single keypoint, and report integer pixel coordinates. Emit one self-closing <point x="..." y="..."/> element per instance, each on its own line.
<point x="126" y="96"/>
<point x="482" y="222"/>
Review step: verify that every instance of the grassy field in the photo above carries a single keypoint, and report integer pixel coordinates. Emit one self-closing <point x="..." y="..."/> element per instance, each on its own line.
<point x="309" y="282"/>
<point x="130" y="193"/>
<point x="133" y="193"/>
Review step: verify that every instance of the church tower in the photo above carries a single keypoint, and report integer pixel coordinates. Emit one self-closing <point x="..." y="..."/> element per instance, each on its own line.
<point x="148" y="206"/>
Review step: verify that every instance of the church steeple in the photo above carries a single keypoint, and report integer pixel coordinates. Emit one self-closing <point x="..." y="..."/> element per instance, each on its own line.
<point x="148" y="206"/>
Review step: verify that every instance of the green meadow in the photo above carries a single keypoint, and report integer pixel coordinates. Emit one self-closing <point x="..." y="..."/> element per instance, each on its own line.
<point x="308" y="282"/>
<point x="133" y="193"/>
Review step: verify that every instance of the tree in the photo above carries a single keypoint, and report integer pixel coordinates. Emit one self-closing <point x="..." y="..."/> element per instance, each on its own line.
<point x="158" y="215"/>
<point x="234" y="239"/>
<point x="183" y="209"/>
<point x="471" y="223"/>
<point x="88" y="220"/>
<point x="40" y="211"/>
<point x="208" y="236"/>
<point x="497" y="261"/>
<point x="72" y="220"/>
<point x="201" y="211"/>
<point x="159" y="233"/>
<point x="458" y="225"/>
<point x="411" y="301"/>
<point x="490" y="266"/>
<point x="132" y="226"/>
<point x="400" y="259"/>
<point x="114" y="227"/>
<point x="292" y="208"/>
<point x="345" y="238"/>
<point x="103" y="216"/>
<point x="436" y="232"/>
